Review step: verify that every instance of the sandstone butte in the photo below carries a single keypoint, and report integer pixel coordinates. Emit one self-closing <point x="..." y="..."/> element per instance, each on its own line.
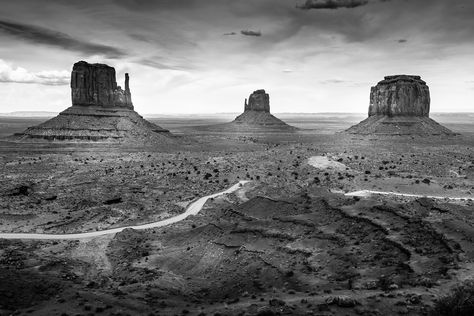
<point x="101" y="111"/>
<point x="399" y="105"/>
<point x="257" y="114"/>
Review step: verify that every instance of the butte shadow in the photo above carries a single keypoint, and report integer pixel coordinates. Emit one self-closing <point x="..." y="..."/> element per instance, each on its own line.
<point x="399" y="105"/>
<point x="256" y="118"/>
<point x="101" y="111"/>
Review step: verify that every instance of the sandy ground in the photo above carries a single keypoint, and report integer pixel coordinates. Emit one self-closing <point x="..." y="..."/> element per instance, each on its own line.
<point x="283" y="243"/>
<point x="193" y="209"/>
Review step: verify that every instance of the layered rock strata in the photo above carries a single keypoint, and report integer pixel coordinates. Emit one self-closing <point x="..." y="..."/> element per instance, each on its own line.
<point x="257" y="113"/>
<point x="399" y="105"/>
<point x="400" y="96"/>
<point x="258" y="101"/>
<point x="95" y="85"/>
<point x="101" y="111"/>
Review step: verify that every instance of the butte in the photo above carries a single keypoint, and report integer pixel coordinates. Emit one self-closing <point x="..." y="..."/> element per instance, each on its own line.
<point x="399" y="105"/>
<point x="100" y="111"/>
<point x="256" y="117"/>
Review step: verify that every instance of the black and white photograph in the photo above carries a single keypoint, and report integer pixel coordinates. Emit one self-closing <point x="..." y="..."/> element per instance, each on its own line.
<point x="236" y="157"/>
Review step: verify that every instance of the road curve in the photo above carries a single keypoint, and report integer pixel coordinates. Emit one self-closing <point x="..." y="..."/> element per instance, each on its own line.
<point x="367" y="193"/>
<point x="193" y="209"/>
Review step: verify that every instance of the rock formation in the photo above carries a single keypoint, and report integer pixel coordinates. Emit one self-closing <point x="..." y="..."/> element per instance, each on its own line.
<point x="258" y="101"/>
<point x="257" y="114"/>
<point x="400" y="96"/>
<point x="100" y="111"/>
<point x="399" y="105"/>
<point x="95" y="85"/>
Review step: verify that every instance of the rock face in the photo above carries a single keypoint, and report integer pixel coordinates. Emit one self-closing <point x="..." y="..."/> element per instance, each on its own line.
<point x="100" y="111"/>
<point x="258" y="101"/>
<point x="95" y="85"/>
<point x="257" y="114"/>
<point x="399" y="105"/>
<point x="400" y="96"/>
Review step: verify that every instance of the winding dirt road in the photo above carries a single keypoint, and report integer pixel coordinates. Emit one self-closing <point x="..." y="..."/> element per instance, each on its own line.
<point x="193" y="209"/>
<point x="367" y="193"/>
<point x="324" y="162"/>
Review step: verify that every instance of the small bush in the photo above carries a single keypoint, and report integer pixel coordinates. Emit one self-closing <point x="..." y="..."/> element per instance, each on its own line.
<point x="460" y="302"/>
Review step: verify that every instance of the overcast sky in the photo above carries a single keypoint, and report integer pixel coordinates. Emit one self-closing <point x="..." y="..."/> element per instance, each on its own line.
<point x="204" y="56"/>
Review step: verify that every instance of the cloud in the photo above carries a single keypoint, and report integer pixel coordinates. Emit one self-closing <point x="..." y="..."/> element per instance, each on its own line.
<point x="231" y="33"/>
<point x="147" y="5"/>
<point x="332" y="4"/>
<point x="41" y="35"/>
<point x="251" y="33"/>
<point x="21" y="75"/>
<point x="333" y="81"/>
<point x="166" y="65"/>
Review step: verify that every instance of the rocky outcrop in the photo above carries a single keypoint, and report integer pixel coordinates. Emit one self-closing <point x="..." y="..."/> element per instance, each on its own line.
<point x="399" y="105"/>
<point x="257" y="115"/>
<point x="95" y="85"/>
<point x="256" y="118"/>
<point x="100" y="111"/>
<point x="258" y="101"/>
<point x="400" y="95"/>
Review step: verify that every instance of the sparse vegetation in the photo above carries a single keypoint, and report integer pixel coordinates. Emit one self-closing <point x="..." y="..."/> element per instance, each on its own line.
<point x="460" y="302"/>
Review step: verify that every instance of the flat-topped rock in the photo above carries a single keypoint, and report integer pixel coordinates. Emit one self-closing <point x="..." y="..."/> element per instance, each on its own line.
<point x="400" y="95"/>
<point x="100" y="111"/>
<point x="257" y="113"/>
<point x="256" y="118"/>
<point x="95" y="85"/>
<point x="399" y="105"/>
<point x="259" y="100"/>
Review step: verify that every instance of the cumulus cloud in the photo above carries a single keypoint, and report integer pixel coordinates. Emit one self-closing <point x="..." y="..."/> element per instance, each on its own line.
<point x="8" y="73"/>
<point x="41" y="35"/>
<point x="332" y="4"/>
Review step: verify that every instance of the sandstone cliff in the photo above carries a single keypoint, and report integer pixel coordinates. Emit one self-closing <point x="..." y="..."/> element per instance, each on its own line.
<point x="258" y="101"/>
<point x="100" y="111"/>
<point x="257" y="115"/>
<point x="95" y="85"/>
<point x="399" y="105"/>
<point x="400" y="96"/>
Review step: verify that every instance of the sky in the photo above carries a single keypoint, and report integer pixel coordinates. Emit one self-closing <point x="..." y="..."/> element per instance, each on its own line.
<point x="207" y="56"/>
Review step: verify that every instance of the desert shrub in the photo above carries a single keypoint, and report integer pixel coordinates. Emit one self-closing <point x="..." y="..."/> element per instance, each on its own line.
<point x="384" y="282"/>
<point x="460" y="302"/>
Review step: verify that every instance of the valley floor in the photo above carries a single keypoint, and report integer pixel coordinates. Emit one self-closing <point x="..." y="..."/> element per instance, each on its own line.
<point x="290" y="241"/>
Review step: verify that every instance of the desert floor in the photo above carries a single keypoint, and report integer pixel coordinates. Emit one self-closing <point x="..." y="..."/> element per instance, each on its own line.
<point x="290" y="241"/>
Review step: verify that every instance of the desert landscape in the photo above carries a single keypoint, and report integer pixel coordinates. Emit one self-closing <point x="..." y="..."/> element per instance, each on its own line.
<point x="262" y="185"/>
<point x="314" y="222"/>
